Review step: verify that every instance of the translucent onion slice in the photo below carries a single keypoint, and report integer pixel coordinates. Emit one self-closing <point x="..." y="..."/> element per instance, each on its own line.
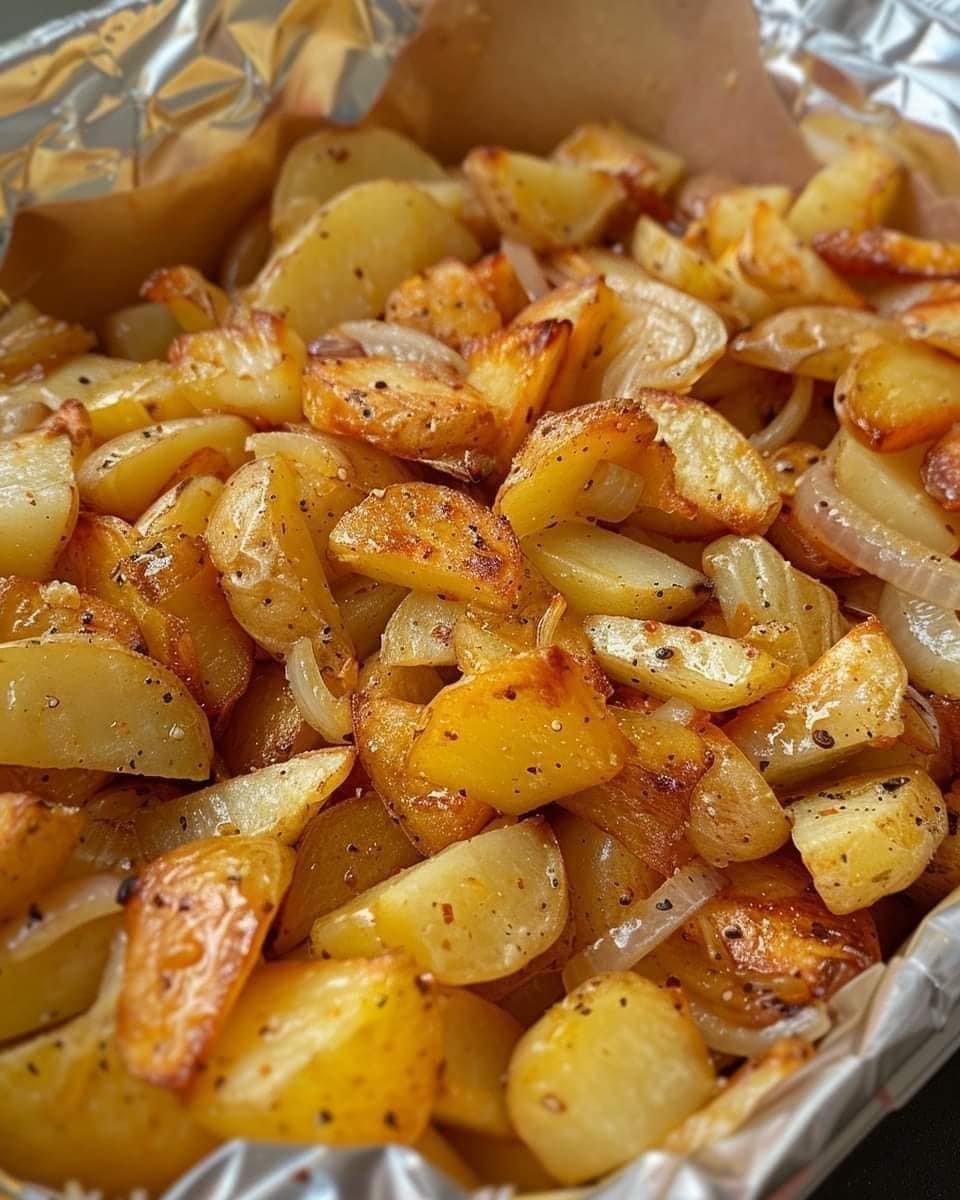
<point x="63" y="909"/>
<point x="824" y="511"/>
<point x="649" y="923"/>
<point x="549" y="624"/>
<point x="810" y="1022"/>
<point x="926" y="637"/>
<point x="786" y="424"/>
<point x="405" y="345"/>
<point x="527" y="268"/>
<point x="614" y="494"/>
<point x="681" y="712"/>
<point x="328" y="714"/>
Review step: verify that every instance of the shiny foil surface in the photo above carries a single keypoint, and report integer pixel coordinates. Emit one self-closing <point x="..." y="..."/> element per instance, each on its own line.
<point x="138" y="90"/>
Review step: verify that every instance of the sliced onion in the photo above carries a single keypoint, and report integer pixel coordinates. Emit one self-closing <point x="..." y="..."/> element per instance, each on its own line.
<point x="63" y="909"/>
<point x="810" y="1022"/>
<point x="614" y="494"/>
<point x="926" y="637"/>
<point x="328" y="714"/>
<point x="824" y="511"/>
<point x="527" y="268"/>
<point x="403" y="344"/>
<point x="549" y="623"/>
<point x="786" y="424"/>
<point x="649" y="923"/>
<point x="680" y="712"/>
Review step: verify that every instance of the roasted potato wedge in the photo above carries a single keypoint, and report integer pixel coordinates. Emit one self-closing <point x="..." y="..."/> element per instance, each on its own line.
<point x="478" y="1039"/>
<point x="36" y="840"/>
<point x="886" y="252"/>
<point x="187" y="506"/>
<point x="853" y="193"/>
<point x="728" y="213"/>
<point x="641" y="166"/>
<point x="194" y="302"/>
<point x="448" y="302"/>
<point x="30" y="610"/>
<point x="38" y="503"/>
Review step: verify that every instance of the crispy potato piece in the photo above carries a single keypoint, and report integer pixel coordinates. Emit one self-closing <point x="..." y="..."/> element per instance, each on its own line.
<point x="265" y="725"/>
<point x="433" y="539"/>
<point x="366" y="606"/>
<point x="344" y="850"/>
<point x="38" y="503"/>
<point x="714" y="673"/>
<point x="261" y="361"/>
<point x="647" y="806"/>
<point x="347" y="257"/>
<point x="774" y="259"/>
<point x="561" y="736"/>
<point x="746" y="1090"/>
<point x="603" y="876"/>
<point x="423" y="412"/>
<point x="641" y="165"/>
<point x="815" y="340"/>
<point x="29" y="610"/>
<point x="544" y="204"/>
<point x="734" y="814"/>
<point x="498" y="278"/>
<point x="896" y="395"/>
<point x="729" y="212"/>
<point x="599" y="571"/>
<point x="420" y="632"/>
<point x="36" y="840"/>
<point x="885" y="252"/>
<point x="461" y="932"/>
<point x="271" y="573"/>
<point x="194" y="925"/>
<point x="516" y="372"/>
<point x="129" y="472"/>
<point x="942" y="873"/>
<point x="587" y="1089"/>
<point x="144" y="721"/>
<point x="869" y="836"/>
<point x="139" y="332"/>
<point x="31" y="343"/>
<point x="940" y="471"/>
<point x="851" y="695"/>
<point x="187" y="506"/>
<point x="478" y="1039"/>
<point x="447" y="301"/>
<point x="344" y="1053"/>
<point x="278" y="800"/>
<point x="194" y="302"/>
<point x="318" y="167"/>
<point x="668" y="259"/>
<point x="69" y="1110"/>
<point x="853" y="193"/>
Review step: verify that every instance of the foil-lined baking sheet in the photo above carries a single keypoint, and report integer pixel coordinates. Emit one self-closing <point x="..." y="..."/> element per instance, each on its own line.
<point x="130" y="98"/>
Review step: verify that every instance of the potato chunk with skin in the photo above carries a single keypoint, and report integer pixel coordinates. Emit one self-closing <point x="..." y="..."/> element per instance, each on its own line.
<point x="36" y="840"/>
<point x="343" y="1053"/>
<point x="869" y="836"/>
<point x="544" y="204"/>
<point x="194" y="926"/>
<point x="525" y="732"/>
<point x="601" y="571"/>
<point x="447" y="301"/>
<point x="640" y="165"/>
<point x="715" y="673"/>
<point x="143" y="723"/>
<point x="346" y="258"/>
<point x="462" y="914"/>
<point x="606" y="1074"/>
<point x="850" y="697"/>
<point x="38" y="503"/>
<point x="433" y="539"/>
<point x="424" y="412"/>
<point x="478" y="1039"/>
<point x="853" y="193"/>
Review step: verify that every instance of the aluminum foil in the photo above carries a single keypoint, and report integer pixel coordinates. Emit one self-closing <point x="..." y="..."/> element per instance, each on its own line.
<point x="136" y="90"/>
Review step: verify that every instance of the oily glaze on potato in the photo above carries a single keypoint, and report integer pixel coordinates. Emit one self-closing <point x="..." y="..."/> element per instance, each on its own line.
<point x="36" y="839"/>
<point x="38" y="503"/>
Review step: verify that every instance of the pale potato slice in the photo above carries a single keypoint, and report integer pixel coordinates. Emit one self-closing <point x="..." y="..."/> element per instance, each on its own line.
<point x="344" y="1053"/>
<point x="869" y="836"/>
<point x="854" y="192"/>
<point x="526" y="731"/>
<point x="478" y="1039"/>
<point x="366" y="606"/>
<point x="139" y="332"/>
<point x="606" y="1074"/>
<point x="32" y="343"/>
<point x="38" y="503"/>
<point x="849" y="698"/>
<point x="125" y="475"/>
<point x="641" y="165"/>
<point x="897" y="395"/>
<point x="420" y="632"/>
<point x="142" y="394"/>
<point x="194" y="302"/>
<point x="346" y="258"/>
<point x="815" y="340"/>
<point x="36" y="841"/>
<point x="729" y="213"/>
<point x="599" y="571"/>
<point x="886" y="252"/>
<point x="278" y="800"/>
<point x="432" y="539"/>
<point x="329" y="456"/>
<point x="328" y="162"/>
<point x="544" y="204"/>
<point x="668" y="259"/>
<point x="712" y="672"/>
<point x="187" y="506"/>
<point x="144" y="721"/>
<point x="462" y="914"/>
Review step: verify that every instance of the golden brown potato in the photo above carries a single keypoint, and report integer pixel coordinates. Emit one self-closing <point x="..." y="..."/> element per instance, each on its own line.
<point x="640" y="165"/>
<point x="345" y="1053"/>
<point x="36" y="840"/>
<point x="346" y="258"/>
<point x="366" y="606"/>
<point x="38" y="503"/>
<point x="425" y="412"/>
<point x="447" y="301"/>
<point x="327" y="456"/>
<point x="67" y="785"/>
<point x="265" y="725"/>
<point x="478" y="1039"/>
<point x="195" y="924"/>
<point x="31" y="343"/>
<point x="344" y="850"/>
<point x="886" y="252"/>
<point x="29" y="609"/>
<point x="433" y="539"/>
<point x="194" y="302"/>
<point x="851" y="695"/>
<point x="498" y="278"/>
<point x="588" y="1088"/>
<point x="668" y="259"/>
<point x="439" y="1153"/>
<point x="815" y="340"/>
<point x="139" y="395"/>
<point x="729" y="212"/>
<point x="187" y="506"/>
<point x="853" y="193"/>
<point x="144" y="721"/>
<point x="936" y="322"/>
<point x="942" y="874"/>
